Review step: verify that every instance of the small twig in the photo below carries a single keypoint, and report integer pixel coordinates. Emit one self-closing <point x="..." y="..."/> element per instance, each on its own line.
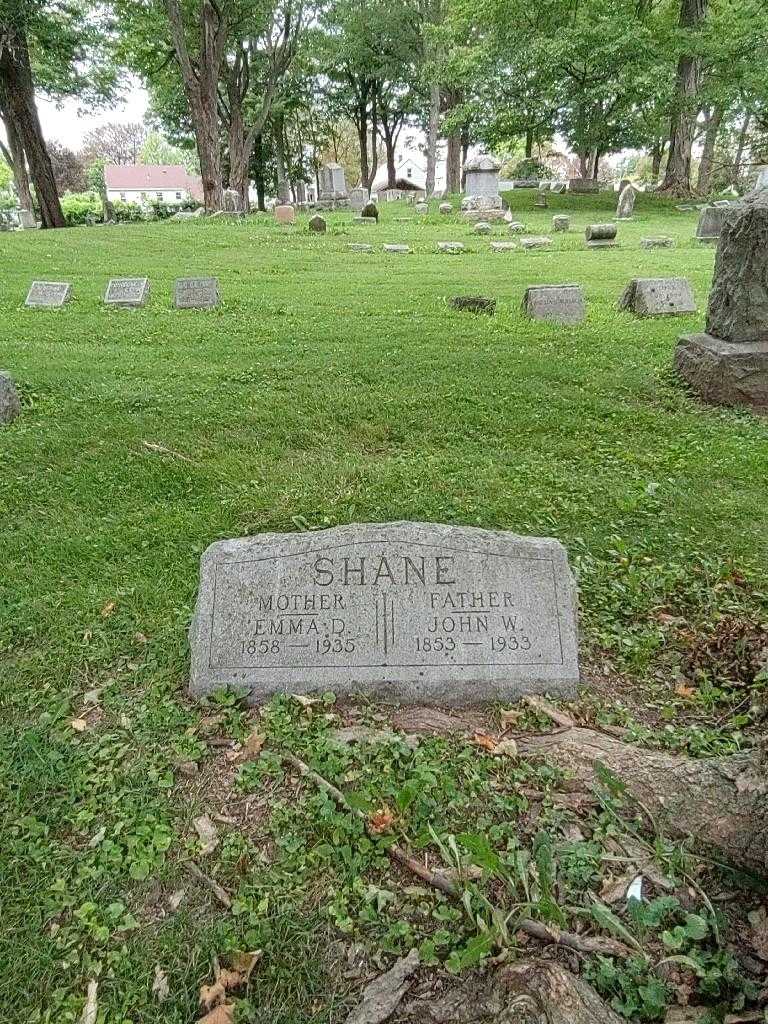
<point x="151" y="446"/>
<point x="539" y="704"/>
<point x="543" y="932"/>
<point x="220" y="893"/>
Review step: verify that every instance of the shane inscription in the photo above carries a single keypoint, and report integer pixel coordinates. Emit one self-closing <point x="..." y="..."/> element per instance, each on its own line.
<point x="408" y="611"/>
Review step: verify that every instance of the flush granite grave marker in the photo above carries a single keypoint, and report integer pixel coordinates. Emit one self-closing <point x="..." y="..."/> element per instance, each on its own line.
<point x="658" y="296"/>
<point x="127" y="291"/>
<point x="536" y="242"/>
<point x="657" y="242"/>
<point x="503" y="246"/>
<point x="48" y="294"/>
<point x="196" y="293"/>
<point x="452" y="247"/>
<point x="559" y="303"/>
<point x="406" y="611"/>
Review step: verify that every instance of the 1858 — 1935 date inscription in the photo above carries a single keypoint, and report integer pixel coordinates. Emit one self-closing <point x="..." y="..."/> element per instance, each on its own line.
<point x="410" y="611"/>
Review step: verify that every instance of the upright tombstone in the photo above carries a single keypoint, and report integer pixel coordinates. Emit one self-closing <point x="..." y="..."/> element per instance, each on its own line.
<point x="196" y="293"/>
<point x="230" y="201"/>
<point x="10" y="403"/>
<point x="358" y="198"/>
<point x="558" y="303"/>
<point x="583" y="186"/>
<point x="371" y="211"/>
<point x="27" y="219"/>
<point x="601" y="236"/>
<point x="728" y="365"/>
<point x="48" y="294"/>
<point x="333" y="187"/>
<point x="318" y="225"/>
<point x="541" y="199"/>
<point x="482" y="184"/>
<point x="561" y="222"/>
<point x="421" y="208"/>
<point x="711" y="222"/>
<point x="285" y="214"/>
<point x="410" y="612"/>
<point x="129" y="292"/>
<point x="625" y="209"/>
<point x="445" y="208"/>
<point x="658" y="296"/>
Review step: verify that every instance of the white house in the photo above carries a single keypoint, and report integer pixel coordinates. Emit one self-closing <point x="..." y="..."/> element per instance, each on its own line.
<point x="147" y="183"/>
<point x="411" y="169"/>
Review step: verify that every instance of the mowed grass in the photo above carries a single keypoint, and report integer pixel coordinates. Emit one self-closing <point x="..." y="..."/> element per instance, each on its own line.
<point x="329" y="387"/>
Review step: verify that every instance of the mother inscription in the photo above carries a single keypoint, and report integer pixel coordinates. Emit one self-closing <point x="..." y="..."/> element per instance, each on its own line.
<point x="408" y="611"/>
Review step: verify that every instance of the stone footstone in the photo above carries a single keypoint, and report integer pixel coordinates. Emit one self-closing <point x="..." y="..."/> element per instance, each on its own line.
<point x="445" y="208"/>
<point x="561" y="223"/>
<point x="503" y="246"/>
<point x="318" y="225"/>
<point x="363" y="221"/>
<point x="397" y="248"/>
<point x="536" y="242"/>
<point x="482" y="228"/>
<point x="48" y="294"/>
<point x="558" y="303"/>
<point x="474" y="304"/>
<point x="658" y="296"/>
<point x="660" y="242"/>
<point x="452" y="247"/>
<point x="127" y="292"/>
<point x="421" y="208"/>
<point x="515" y="227"/>
<point x="10" y="403"/>
<point x="196" y="293"/>
<point x="359" y="247"/>
<point x="412" y="612"/>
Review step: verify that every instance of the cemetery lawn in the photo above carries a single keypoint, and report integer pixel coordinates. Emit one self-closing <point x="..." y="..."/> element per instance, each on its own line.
<point x="332" y="387"/>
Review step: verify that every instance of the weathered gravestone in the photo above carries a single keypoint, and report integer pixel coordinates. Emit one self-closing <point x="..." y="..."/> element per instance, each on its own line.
<point x="405" y="611"/>
<point x="658" y="296"/>
<point x="711" y="222"/>
<point x="474" y="304"/>
<point x="559" y="303"/>
<point x="625" y="208"/>
<point x="729" y="364"/>
<point x="127" y="291"/>
<point x="583" y="186"/>
<point x="445" y="208"/>
<point x="318" y="225"/>
<point x="515" y="227"/>
<point x="48" y="294"/>
<point x="503" y="246"/>
<point x="482" y="228"/>
<point x="359" y="247"/>
<point x="657" y="242"/>
<point x="481" y="183"/>
<point x="27" y="219"/>
<point x="285" y="214"/>
<point x="391" y="247"/>
<point x="358" y="198"/>
<point x="196" y="293"/>
<point x="421" y="207"/>
<point x="333" y="187"/>
<point x="483" y="215"/>
<point x="536" y="242"/>
<point x="559" y="187"/>
<point x="10" y="403"/>
<point x="561" y="222"/>
<point x="541" y="199"/>
<point x="601" y="236"/>
<point x="452" y="247"/>
<point x="371" y="211"/>
<point x="231" y="201"/>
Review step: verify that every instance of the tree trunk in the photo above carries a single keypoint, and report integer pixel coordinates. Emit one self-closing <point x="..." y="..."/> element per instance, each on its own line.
<point x="704" y="181"/>
<point x="16" y="159"/>
<point x="362" y="138"/>
<point x="453" y="163"/>
<point x="595" y="164"/>
<point x="258" y="171"/>
<point x="584" y="165"/>
<point x="722" y="802"/>
<point x="677" y="180"/>
<point x="201" y="89"/>
<point x="657" y="155"/>
<point x="374" y="146"/>
<point x="283" y="187"/>
<point x="433" y="128"/>
<point x="389" y="146"/>
<point x="740" y="149"/>
<point x="464" y="151"/>
<point x="528" y="143"/>
<point x="18" y="91"/>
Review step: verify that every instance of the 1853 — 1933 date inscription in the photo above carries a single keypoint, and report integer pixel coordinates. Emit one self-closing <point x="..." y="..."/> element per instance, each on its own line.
<point x="411" y="611"/>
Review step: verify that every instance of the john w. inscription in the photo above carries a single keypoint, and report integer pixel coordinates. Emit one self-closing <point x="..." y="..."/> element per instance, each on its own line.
<point x="409" y="611"/>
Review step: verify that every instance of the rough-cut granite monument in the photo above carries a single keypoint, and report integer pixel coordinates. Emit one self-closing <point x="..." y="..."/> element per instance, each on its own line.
<point x="318" y="225"/>
<point x="711" y="222"/>
<point x="10" y="403"/>
<point x="482" y="184"/>
<point x="729" y="364"/>
<point x="625" y="208"/>
<point x="407" y="611"/>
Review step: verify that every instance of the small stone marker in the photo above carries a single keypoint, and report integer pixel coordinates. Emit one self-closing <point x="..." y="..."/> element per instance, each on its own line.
<point x="318" y="225"/>
<point x="482" y="228"/>
<point x="365" y="220"/>
<point x="474" y="304"/>
<point x="421" y="208"/>
<point x="561" y="222"/>
<point x="370" y="210"/>
<point x="659" y="242"/>
<point x="559" y="303"/>
<point x="541" y="200"/>
<point x="10" y="403"/>
<point x="406" y="611"/>
<point x="452" y="247"/>
<point x="48" y="294"/>
<point x="515" y="227"/>
<point x="503" y="246"/>
<point x="27" y="219"/>
<point x="601" y="236"/>
<point x="359" y="247"/>
<point x="658" y="296"/>
<point x="625" y="209"/>
<point x="130" y="292"/>
<point x="196" y="293"/>
<point x="285" y="214"/>
<point x="711" y="222"/>
<point x="536" y="242"/>
<point x="397" y="248"/>
<point x="445" y="208"/>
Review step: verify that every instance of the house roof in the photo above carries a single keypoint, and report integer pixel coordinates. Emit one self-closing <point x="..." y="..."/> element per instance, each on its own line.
<point x="151" y="177"/>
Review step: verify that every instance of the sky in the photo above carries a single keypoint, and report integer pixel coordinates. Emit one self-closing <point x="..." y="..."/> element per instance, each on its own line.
<point x="67" y="123"/>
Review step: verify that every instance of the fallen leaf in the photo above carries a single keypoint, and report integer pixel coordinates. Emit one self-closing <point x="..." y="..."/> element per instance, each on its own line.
<point x="509" y="718"/>
<point x="306" y="702"/>
<point x="79" y="724"/>
<point x="253" y="746"/>
<point x="758" y="920"/>
<point x="209" y="837"/>
<point x="174" y="900"/>
<point x="212" y="995"/>
<point x="160" y="989"/>
<point x="243" y="963"/>
<point x="97" y="837"/>
<point x="482" y="739"/>
<point x="506" y="748"/>
<point x="91" y="1008"/>
<point x="684" y="691"/>
<point x="209" y="724"/>
<point x="92" y="696"/>
<point x="224" y="1014"/>
<point x="108" y="608"/>
<point x="381" y="820"/>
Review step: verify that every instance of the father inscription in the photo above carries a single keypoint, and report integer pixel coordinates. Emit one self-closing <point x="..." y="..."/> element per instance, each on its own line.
<point x="407" y="611"/>
<point x="51" y="294"/>
<point x="196" y="293"/>
<point x="127" y="291"/>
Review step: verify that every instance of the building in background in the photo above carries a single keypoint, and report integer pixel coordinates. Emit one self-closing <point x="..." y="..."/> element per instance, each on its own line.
<point x="149" y="183"/>
<point x="410" y="171"/>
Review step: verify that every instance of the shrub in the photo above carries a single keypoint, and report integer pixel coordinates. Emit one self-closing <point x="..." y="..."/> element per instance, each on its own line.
<point x="531" y="168"/>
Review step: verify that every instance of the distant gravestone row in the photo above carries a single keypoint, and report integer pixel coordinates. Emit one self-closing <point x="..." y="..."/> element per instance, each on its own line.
<point x="129" y="293"/>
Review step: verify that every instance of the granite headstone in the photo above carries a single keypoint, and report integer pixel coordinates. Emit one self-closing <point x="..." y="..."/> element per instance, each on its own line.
<point x="196" y="293"/>
<point x="130" y="292"/>
<point x="658" y="296"/>
<point x="559" y="303"/>
<point x="48" y="294"/>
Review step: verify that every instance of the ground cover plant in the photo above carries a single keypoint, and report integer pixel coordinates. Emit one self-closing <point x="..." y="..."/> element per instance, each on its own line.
<point x="332" y="387"/>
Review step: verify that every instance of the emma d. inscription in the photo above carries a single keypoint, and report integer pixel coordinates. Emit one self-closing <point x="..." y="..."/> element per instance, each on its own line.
<point x="406" y="610"/>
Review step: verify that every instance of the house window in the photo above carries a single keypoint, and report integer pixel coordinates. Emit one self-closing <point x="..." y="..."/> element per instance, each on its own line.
<point x="159" y="196"/>
<point x="178" y="195"/>
<point x="409" y="172"/>
<point x="122" y="197"/>
<point x="143" y="195"/>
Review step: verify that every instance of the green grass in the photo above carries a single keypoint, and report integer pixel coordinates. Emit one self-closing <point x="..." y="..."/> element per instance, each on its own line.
<point x="329" y="387"/>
